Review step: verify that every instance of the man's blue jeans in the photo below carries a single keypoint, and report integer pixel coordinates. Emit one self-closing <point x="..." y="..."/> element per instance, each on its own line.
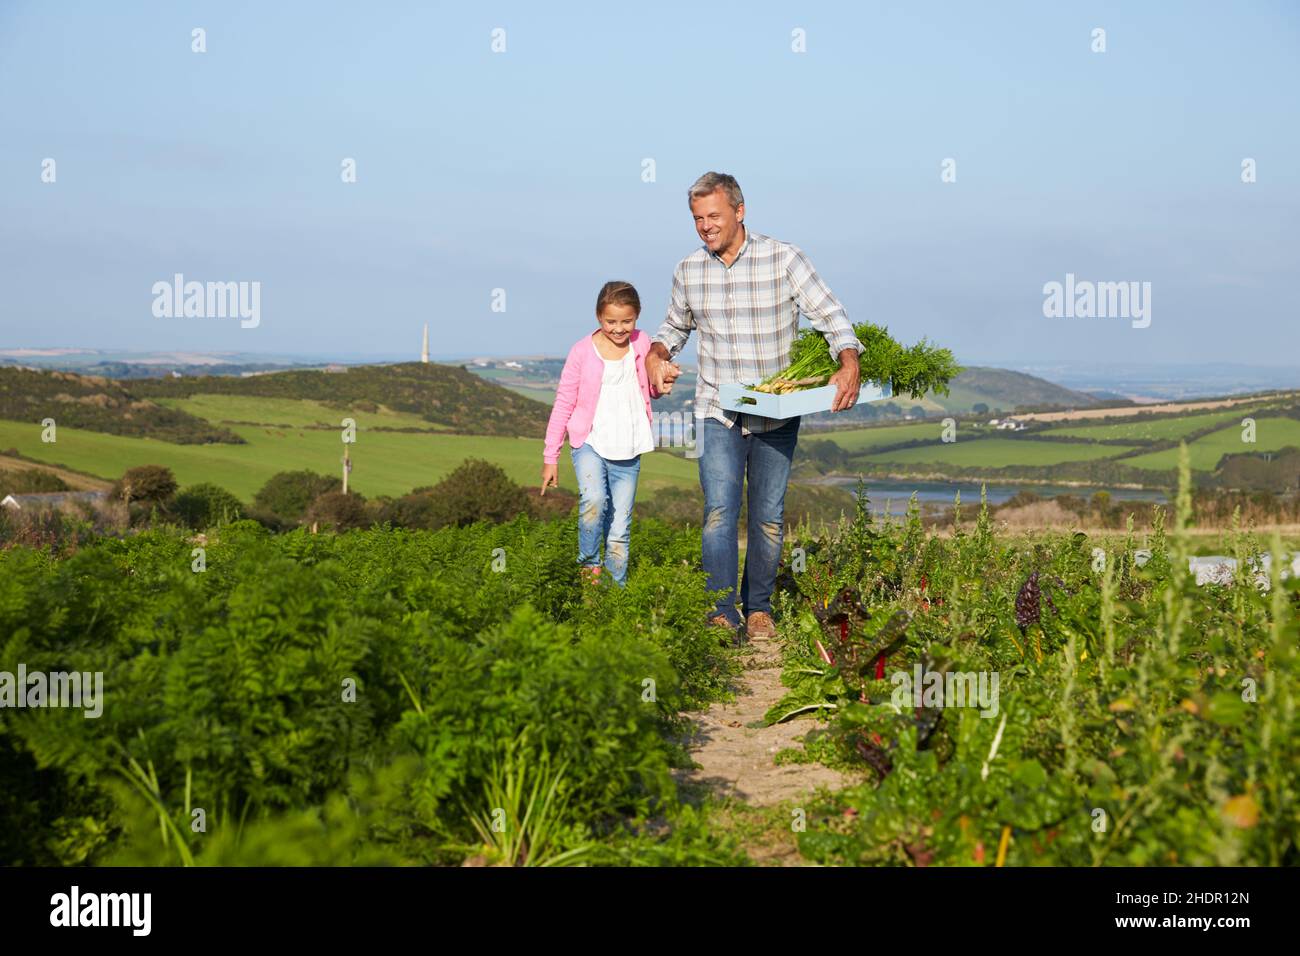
<point x="725" y="457"/>
<point x="606" y="490"/>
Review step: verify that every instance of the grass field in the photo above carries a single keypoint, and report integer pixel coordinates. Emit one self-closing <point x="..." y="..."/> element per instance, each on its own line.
<point x="220" y="409"/>
<point x="999" y="452"/>
<point x="299" y="434"/>
<point x="1160" y="429"/>
<point x="544" y="395"/>
<point x="509" y="380"/>
<point x="1270" y="435"/>
<point x="384" y="463"/>
<point x="856" y="440"/>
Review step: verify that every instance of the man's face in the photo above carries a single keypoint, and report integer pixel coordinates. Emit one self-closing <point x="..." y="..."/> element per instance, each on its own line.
<point x="716" y="222"/>
<point x="617" y="322"/>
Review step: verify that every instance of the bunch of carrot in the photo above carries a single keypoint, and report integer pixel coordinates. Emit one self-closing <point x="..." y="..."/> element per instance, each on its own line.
<point x="915" y="370"/>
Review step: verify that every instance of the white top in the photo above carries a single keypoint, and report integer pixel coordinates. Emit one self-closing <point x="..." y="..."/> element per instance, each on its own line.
<point x="619" y="427"/>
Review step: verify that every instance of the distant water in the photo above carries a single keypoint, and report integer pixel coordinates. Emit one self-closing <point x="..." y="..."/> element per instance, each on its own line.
<point x="895" y="493"/>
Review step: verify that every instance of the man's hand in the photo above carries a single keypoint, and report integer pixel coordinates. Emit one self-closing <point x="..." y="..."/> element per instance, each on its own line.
<point x="660" y="370"/>
<point x="846" y="381"/>
<point x="550" y="477"/>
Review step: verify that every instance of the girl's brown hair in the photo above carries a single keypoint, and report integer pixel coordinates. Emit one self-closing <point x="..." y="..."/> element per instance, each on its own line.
<point x="617" y="293"/>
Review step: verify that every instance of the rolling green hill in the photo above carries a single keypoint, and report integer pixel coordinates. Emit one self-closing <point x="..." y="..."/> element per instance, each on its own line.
<point x="297" y="413"/>
<point x="1142" y="449"/>
<point x="98" y="404"/>
<point x="999" y="391"/>
<point x="416" y="422"/>
<point x="445" y="395"/>
<point x="1147" y="429"/>
<point x="384" y="462"/>
<point x="1008" y="390"/>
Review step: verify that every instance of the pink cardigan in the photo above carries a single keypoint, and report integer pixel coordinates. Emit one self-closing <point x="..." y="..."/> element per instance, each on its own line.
<point x="575" y="399"/>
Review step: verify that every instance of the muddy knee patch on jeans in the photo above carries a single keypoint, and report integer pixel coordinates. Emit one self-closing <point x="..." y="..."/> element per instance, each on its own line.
<point x="714" y="519"/>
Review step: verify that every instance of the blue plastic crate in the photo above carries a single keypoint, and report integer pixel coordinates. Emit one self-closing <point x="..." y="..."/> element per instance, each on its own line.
<point x="804" y="402"/>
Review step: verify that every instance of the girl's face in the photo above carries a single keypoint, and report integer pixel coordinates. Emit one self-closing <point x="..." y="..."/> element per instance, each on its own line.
<point x="617" y="322"/>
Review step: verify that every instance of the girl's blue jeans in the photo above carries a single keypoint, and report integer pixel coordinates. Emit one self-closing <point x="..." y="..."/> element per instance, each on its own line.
<point x="606" y="490"/>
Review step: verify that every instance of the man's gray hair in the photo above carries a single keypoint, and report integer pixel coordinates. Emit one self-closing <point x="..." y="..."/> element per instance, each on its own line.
<point x="711" y="182"/>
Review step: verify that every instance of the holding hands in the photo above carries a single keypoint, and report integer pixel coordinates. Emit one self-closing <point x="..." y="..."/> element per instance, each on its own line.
<point x="660" y="370"/>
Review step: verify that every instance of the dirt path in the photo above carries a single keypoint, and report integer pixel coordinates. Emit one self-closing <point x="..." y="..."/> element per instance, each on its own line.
<point x="75" y="479"/>
<point x="734" y="755"/>
<point x="735" y="752"/>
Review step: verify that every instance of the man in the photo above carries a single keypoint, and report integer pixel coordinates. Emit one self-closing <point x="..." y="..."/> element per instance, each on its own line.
<point x="744" y="292"/>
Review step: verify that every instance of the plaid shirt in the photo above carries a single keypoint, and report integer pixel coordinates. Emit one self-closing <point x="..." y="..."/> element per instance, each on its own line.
<point x="748" y="316"/>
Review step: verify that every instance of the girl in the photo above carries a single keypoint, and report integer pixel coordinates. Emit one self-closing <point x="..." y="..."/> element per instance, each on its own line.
<point x="603" y="402"/>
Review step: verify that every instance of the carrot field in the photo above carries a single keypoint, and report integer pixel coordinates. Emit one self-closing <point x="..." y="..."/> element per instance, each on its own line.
<point x="453" y="697"/>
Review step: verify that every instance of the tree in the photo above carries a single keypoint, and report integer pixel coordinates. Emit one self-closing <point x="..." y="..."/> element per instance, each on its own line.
<point x="149" y="483"/>
<point x="980" y="408"/>
<point x="289" y="494"/>
<point x="414" y="510"/>
<point x="338" y="511"/>
<point x="477" y="490"/>
<point x="203" y="505"/>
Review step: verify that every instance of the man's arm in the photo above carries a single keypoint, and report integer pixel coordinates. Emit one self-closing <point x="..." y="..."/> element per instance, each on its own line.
<point x="818" y="302"/>
<point x="671" y="337"/>
<point x="824" y="311"/>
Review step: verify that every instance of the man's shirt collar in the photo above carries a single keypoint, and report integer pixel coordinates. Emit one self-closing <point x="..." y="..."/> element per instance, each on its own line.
<point x="743" y="246"/>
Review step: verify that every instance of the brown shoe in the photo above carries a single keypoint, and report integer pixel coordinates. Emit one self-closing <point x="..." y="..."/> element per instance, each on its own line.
<point x="735" y="634"/>
<point x="760" y="625"/>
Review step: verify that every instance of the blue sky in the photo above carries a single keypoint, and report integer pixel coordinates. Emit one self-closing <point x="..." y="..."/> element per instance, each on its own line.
<point x="522" y="170"/>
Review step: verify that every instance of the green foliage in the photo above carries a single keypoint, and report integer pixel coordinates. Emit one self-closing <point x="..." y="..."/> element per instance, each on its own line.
<point x="520" y="817"/>
<point x="100" y="404"/>
<point x="26" y="481"/>
<point x="1141" y="719"/>
<point x="443" y="394"/>
<point x="915" y="370"/>
<point x="477" y="490"/>
<point x="337" y="511"/>
<point x="203" y="505"/>
<point x="373" y="697"/>
<point x="667" y="604"/>
<point x="145" y="483"/>
<point x="350" y="699"/>
<point x="288" y="494"/>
